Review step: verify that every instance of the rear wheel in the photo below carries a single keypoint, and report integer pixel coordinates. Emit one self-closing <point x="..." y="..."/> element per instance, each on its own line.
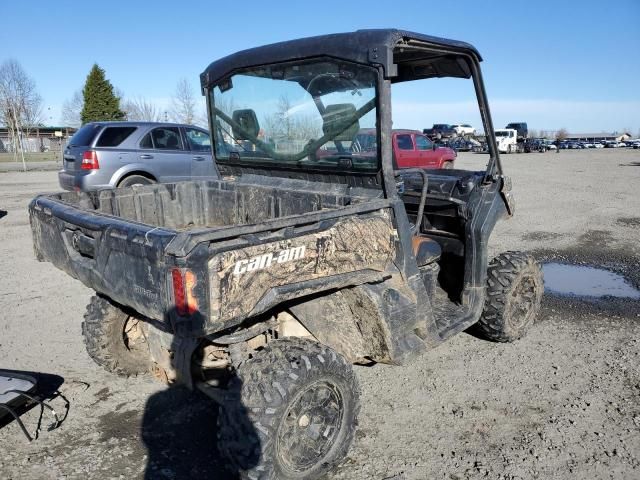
<point x="132" y="180"/>
<point x="290" y="413"/>
<point x="115" y="339"/>
<point x="513" y="296"/>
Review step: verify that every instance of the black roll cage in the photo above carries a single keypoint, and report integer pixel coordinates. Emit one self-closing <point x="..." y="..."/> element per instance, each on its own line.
<point x="424" y="57"/>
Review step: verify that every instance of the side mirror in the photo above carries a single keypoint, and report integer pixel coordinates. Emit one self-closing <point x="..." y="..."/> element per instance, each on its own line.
<point x="435" y="147"/>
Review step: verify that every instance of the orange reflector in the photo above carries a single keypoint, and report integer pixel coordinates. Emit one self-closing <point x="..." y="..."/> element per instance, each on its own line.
<point x="190" y="283"/>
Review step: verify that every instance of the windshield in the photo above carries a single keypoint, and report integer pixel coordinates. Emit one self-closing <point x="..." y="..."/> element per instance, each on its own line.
<point x="502" y="133"/>
<point x="304" y="115"/>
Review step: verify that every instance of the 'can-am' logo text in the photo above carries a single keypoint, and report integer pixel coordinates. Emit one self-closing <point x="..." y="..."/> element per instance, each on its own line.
<point x="268" y="259"/>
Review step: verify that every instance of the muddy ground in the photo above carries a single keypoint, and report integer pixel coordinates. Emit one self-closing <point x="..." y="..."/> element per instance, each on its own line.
<point x="564" y="402"/>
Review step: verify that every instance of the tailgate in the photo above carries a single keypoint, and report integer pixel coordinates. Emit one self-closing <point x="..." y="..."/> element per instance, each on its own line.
<point x="121" y="259"/>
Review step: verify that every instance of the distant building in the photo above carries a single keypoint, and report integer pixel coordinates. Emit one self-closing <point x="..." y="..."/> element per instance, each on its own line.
<point x="599" y="137"/>
<point x="37" y="139"/>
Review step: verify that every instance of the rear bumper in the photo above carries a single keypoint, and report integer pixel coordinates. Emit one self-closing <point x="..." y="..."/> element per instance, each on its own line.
<point x="66" y="180"/>
<point x="84" y="181"/>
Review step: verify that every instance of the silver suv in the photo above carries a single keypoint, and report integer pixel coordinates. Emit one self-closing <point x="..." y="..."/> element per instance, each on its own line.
<point x="112" y="154"/>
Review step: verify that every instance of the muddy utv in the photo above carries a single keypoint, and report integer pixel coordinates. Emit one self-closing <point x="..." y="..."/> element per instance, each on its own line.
<point x="310" y="254"/>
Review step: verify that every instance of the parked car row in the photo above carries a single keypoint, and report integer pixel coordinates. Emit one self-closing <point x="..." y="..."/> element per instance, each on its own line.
<point x="574" y="144"/>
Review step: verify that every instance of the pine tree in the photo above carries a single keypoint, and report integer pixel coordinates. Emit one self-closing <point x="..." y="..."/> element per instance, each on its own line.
<point x="100" y="103"/>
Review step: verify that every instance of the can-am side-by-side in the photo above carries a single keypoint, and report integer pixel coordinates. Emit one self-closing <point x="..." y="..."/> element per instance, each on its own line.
<point x="310" y="254"/>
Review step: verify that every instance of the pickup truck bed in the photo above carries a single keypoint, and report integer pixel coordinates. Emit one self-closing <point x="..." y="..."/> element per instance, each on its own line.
<point x="244" y="241"/>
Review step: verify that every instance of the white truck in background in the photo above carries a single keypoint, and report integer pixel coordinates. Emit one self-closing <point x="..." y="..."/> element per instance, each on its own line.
<point x="507" y="140"/>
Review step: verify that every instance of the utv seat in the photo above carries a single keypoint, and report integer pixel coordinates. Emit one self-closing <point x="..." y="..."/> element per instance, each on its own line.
<point x="425" y="250"/>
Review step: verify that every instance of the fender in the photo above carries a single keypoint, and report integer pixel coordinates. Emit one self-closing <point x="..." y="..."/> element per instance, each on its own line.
<point x="128" y="168"/>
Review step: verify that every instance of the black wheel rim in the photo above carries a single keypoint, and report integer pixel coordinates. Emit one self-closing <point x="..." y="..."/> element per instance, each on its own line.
<point x="522" y="301"/>
<point x="310" y="426"/>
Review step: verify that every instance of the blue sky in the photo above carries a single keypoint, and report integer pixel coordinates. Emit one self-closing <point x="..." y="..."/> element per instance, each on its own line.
<point x="572" y="64"/>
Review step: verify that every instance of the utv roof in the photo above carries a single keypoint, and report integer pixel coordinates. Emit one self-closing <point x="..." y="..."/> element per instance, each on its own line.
<point x="385" y="47"/>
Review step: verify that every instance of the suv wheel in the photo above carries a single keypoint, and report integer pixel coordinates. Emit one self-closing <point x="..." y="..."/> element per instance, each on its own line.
<point x="115" y="340"/>
<point x="290" y="413"/>
<point x="513" y="296"/>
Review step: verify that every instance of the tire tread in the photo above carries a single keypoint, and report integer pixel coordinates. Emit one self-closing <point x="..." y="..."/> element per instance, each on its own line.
<point x="261" y="391"/>
<point x="503" y="271"/>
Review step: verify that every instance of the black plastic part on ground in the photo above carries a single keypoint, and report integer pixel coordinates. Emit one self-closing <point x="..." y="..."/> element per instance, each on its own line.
<point x="47" y="388"/>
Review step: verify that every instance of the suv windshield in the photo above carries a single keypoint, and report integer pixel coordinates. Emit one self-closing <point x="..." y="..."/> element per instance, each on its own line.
<point x="305" y="115"/>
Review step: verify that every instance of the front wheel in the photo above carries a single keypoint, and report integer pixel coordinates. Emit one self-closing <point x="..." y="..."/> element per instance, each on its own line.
<point x="290" y="413"/>
<point x="447" y="165"/>
<point x="514" y="292"/>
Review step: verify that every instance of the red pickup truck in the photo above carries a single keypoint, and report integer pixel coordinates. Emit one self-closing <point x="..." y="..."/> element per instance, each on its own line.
<point x="411" y="149"/>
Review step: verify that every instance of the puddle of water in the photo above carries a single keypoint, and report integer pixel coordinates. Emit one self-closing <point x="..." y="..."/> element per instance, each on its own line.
<point x="580" y="281"/>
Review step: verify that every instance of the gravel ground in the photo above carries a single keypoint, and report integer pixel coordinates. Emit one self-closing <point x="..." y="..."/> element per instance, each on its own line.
<point x="564" y="402"/>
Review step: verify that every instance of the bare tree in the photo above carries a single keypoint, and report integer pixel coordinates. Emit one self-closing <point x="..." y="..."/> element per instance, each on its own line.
<point x="225" y="104"/>
<point x="283" y="124"/>
<point x="561" y="134"/>
<point x="20" y="104"/>
<point x="71" y="109"/>
<point x="533" y="133"/>
<point x="202" y="120"/>
<point x="183" y="103"/>
<point x="32" y="115"/>
<point x="142" y="110"/>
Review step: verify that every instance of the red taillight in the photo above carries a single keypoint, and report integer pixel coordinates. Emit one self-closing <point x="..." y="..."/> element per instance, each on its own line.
<point x="90" y="161"/>
<point x="186" y="303"/>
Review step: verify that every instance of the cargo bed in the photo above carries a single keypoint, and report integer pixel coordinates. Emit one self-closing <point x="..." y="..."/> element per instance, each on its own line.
<point x="124" y="242"/>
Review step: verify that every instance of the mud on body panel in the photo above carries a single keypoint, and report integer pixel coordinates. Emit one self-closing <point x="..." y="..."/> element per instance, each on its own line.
<point x="240" y="278"/>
